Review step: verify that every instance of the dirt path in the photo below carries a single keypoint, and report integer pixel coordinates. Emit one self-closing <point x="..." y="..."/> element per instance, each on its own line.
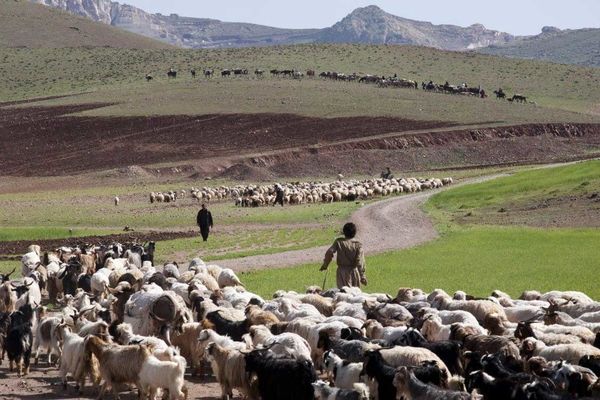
<point x="393" y="224"/>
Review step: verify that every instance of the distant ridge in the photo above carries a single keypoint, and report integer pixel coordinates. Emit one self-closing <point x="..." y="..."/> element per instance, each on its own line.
<point x="373" y="25"/>
<point x="580" y="47"/>
<point x="364" y="25"/>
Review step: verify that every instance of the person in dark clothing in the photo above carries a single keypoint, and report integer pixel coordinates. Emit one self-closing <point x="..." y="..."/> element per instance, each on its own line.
<point x="278" y="195"/>
<point x="205" y="222"/>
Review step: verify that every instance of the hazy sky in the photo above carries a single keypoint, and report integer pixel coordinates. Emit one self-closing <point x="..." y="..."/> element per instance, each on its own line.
<point x="523" y="17"/>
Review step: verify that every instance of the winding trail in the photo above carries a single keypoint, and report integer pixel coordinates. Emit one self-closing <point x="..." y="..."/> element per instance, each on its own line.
<point x="393" y="224"/>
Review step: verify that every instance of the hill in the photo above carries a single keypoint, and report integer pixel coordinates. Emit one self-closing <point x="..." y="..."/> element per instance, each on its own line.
<point x="581" y="47"/>
<point x="364" y="25"/>
<point x="374" y="26"/>
<point x="23" y="24"/>
<point x="178" y="30"/>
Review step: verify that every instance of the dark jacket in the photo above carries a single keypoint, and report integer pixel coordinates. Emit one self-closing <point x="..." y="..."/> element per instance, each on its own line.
<point x="204" y="219"/>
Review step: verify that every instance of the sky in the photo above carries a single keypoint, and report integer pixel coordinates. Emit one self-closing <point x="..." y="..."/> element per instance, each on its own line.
<point x="519" y="17"/>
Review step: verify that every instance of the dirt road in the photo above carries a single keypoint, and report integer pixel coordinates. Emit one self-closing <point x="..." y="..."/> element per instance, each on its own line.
<point x="393" y="224"/>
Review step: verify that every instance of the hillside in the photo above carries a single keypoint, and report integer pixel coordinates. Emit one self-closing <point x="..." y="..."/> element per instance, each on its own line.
<point x="23" y="24"/>
<point x="581" y="47"/>
<point x="369" y="25"/>
<point x="374" y="26"/>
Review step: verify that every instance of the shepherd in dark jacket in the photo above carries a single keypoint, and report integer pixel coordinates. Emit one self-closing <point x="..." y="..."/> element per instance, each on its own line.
<point x="205" y="222"/>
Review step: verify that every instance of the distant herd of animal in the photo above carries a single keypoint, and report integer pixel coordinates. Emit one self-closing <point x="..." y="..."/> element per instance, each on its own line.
<point x="381" y="81"/>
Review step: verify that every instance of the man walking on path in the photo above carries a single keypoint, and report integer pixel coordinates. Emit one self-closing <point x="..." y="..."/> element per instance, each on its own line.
<point x="205" y="222"/>
<point x="350" y="259"/>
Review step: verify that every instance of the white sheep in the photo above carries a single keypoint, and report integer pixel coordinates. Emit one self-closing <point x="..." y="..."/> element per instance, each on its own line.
<point x="344" y="374"/>
<point x="571" y="353"/>
<point x="285" y="344"/>
<point x="158" y="374"/>
<point x="228" y="278"/>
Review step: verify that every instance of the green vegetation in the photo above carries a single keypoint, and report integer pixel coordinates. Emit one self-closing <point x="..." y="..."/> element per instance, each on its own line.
<point x="479" y="259"/>
<point x="520" y="188"/>
<point x="117" y="76"/>
<point x="244" y="243"/>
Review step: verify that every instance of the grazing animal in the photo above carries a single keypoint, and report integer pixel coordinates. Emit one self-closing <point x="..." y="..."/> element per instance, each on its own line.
<point x="323" y="391"/>
<point x="19" y="340"/>
<point x="118" y="364"/>
<point x="281" y="378"/>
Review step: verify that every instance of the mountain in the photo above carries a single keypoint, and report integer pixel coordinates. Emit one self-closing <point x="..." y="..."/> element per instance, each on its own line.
<point x="23" y="24"/>
<point x="374" y="26"/>
<point x="181" y="31"/>
<point x="580" y="46"/>
<point x="364" y="25"/>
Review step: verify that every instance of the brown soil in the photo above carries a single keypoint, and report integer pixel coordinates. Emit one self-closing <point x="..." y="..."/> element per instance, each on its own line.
<point x="20" y="246"/>
<point x="441" y="149"/>
<point x="581" y="211"/>
<point x="45" y="141"/>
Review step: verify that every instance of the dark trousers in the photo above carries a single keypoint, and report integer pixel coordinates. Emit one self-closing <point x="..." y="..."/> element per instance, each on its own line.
<point x="204" y="232"/>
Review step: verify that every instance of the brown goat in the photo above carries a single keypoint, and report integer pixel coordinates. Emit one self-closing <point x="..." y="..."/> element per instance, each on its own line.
<point x="229" y="367"/>
<point x="257" y="316"/>
<point x="485" y="343"/>
<point x="118" y="364"/>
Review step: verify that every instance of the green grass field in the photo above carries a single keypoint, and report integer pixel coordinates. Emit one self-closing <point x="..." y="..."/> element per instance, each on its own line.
<point x="116" y="75"/>
<point x="479" y="259"/>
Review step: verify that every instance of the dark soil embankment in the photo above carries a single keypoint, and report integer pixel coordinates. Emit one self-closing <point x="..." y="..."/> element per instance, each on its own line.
<point x="525" y="144"/>
<point x="75" y="144"/>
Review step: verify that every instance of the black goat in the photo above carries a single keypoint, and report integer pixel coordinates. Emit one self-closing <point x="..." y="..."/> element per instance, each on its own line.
<point x="6" y="277"/>
<point x="234" y="329"/>
<point x="85" y="282"/>
<point x="159" y="279"/>
<point x="70" y="276"/>
<point x="592" y="363"/>
<point x="447" y="350"/>
<point x="19" y="339"/>
<point x="493" y="366"/>
<point x="375" y="368"/>
<point x="4" y="324"/>
<point x="281" y="378"/>
<point x="495" y="388"/>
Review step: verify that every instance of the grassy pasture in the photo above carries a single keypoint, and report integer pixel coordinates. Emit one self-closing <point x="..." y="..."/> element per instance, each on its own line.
<point x="481" y="258"/>
<point x="117" y="75"/>
<point x="35" y="214"/>
<point x="475" y="258"/>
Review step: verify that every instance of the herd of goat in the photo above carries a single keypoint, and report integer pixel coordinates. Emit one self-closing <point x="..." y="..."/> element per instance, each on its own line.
<point x="381" y="81"/>
<point x="304" y="192"/>
<point x="125" y="322"/>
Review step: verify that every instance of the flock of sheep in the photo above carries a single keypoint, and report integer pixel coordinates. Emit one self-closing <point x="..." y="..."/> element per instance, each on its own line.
<point x="304" y="192"/>
<point x="124" y="321"/>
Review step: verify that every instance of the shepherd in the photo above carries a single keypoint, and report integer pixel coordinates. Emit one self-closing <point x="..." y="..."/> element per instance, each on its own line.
<point x="205" y="222"/>
<point x="350" y="259"/>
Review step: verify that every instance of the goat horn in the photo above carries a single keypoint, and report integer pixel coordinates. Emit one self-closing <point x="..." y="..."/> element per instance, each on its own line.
<point x="13" y="285"/>
<point x="11" y="272"/>
<point x="154" y="316"/>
